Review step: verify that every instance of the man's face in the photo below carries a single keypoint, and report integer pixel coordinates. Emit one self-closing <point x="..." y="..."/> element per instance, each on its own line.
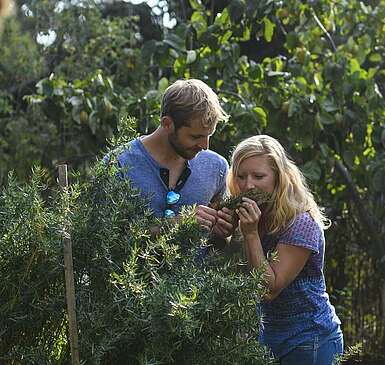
<point x="188" y="141"/>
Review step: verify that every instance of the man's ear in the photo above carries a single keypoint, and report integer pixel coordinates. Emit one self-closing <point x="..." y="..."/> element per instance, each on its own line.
<point x="167" y="123"/>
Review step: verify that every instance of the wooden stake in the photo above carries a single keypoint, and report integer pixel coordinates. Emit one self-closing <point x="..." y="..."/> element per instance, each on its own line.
<point x="69" y="277"/>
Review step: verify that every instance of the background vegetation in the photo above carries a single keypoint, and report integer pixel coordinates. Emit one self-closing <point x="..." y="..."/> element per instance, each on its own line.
<point x="309" y="73"/>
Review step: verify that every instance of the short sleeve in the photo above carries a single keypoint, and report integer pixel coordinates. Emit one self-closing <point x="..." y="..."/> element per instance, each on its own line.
<point x="224" y="169"/>
<point x="303" y="232"/>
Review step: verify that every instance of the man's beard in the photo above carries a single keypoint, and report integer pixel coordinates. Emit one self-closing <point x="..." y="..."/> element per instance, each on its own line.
<point x="181" y="150"/>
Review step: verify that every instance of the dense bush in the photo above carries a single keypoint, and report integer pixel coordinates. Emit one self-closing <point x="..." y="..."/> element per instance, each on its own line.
<point x="140" y="299"/>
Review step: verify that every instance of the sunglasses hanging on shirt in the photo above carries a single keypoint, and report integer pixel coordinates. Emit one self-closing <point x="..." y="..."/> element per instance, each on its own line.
<point x="173" y="195"/>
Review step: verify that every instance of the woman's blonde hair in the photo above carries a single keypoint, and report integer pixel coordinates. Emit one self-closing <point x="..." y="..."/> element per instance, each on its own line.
<point x="291" y="195"/>
<point x="5" y="7"/>
<point x="186" y="100"/>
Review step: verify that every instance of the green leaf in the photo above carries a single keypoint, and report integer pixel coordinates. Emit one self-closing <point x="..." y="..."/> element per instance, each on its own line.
<point x="75" y="113"/>
<point x="311" y="170"/>
<point x="256" y="71"/>
<point x="378" y="180"/>
<point x="109" y="84"/>
<point x="348" y="157"/>
<point x="269" y="29"/>
<point x="92" y="122"/>
<point x="174" y="53"/>
<point x="179" y="67"/>
<point x="175" y="41"/>
<point x="89" y="103"/>
<point x="34" y="99"/>
<point x="246" y="34"/>
<point x="151" y="94"/>
<point x="261" y="114"/>
<point x="199" y="23"/>
<point x="196" y="4"/>
<point x="372" y="72"/>
<point x="274" y="99"/>
<point x="326" y="119"/>
<point x="222" y="18"/>
<point x="292" y="40"/>
<point x="375" y="58"/>
<point x="324" y="149"/>
<point x="236" y="10"/>
<point x="226" y="36"/>
<point x="329" y="106"/>
<point x="293" y="107"/>
<point x="148" y="50"/>
<point x="354" y="66"/>
<point x="191" y="57"/>
<point x="75" y="100"/>
<point x="162" y="85"/>
<point x="383" y="137"/>
<point x="44" y="87"/>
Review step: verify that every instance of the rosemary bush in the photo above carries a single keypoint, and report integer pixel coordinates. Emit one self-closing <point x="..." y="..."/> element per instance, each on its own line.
<point x="140" y="299"/>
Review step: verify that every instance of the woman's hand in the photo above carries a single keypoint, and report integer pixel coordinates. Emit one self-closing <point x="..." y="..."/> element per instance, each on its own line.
<point x="249" y="215"/>
<point x="224" y="225"/>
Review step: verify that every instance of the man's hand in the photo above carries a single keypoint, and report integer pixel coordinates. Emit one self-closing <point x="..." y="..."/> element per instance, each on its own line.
<point x="206" y="216"/>
<point x="218" y="222"/>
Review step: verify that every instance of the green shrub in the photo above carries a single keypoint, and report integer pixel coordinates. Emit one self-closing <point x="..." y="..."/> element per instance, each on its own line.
<point x="140" y="299"/>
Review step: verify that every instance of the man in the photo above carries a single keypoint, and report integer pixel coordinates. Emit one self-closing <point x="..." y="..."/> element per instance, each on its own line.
<point x="173" y="167"/>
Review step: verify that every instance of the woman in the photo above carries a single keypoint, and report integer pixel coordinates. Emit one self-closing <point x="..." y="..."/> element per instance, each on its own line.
<point x="299" y="323"/>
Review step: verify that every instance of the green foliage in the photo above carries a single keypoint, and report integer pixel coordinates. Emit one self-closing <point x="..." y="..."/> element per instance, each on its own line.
<point x="20" y="61"/>
<point x="349" y="353"/>
<point x="32" y="288"/>
<point x="308" y="73"/>
<point x="74" y="109"/>
<point x="140" y="299"/>
<point x="259" y="196"/>
<point x="320" y="92"/>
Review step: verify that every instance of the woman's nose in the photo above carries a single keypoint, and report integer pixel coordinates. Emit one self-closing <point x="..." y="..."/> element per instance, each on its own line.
<point x="250" y="184"/>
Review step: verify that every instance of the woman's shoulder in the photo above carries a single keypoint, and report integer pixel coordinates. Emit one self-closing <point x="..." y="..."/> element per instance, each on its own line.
<point x="306" y="219"/>
<point x="303" y="225"/>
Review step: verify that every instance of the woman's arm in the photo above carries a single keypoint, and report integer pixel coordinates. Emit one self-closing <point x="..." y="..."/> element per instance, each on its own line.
<point x="290" y="259"/>
<point x="282" y="271"/>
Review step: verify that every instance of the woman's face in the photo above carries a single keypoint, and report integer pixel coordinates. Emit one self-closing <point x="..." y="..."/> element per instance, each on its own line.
<point x="255" y="172"/>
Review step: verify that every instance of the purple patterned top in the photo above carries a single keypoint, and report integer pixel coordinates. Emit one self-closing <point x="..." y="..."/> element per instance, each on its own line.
<point x="302" y="310"/>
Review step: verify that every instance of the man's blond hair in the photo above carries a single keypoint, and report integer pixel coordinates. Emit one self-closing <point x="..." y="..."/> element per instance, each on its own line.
<point x="188" y="100"/>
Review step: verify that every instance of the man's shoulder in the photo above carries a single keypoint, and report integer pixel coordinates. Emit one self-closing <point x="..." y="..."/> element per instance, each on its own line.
<point x="125" y="152"/>
<point x="211" y="157"/>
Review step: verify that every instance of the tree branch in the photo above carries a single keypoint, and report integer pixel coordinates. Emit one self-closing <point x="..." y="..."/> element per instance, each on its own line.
<point x="232" y="94"/>
<point x="366" y="217"/>
<point x="243" y="102"/>
<point x="324" y="30"/>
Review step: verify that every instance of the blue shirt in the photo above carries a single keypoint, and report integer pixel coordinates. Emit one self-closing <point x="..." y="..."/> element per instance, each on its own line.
<point x="206" y="182"/>
<point x="302" y="310"/>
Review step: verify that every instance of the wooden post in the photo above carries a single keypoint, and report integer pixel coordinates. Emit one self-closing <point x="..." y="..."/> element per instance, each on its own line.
<point x="69" y="277"/>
